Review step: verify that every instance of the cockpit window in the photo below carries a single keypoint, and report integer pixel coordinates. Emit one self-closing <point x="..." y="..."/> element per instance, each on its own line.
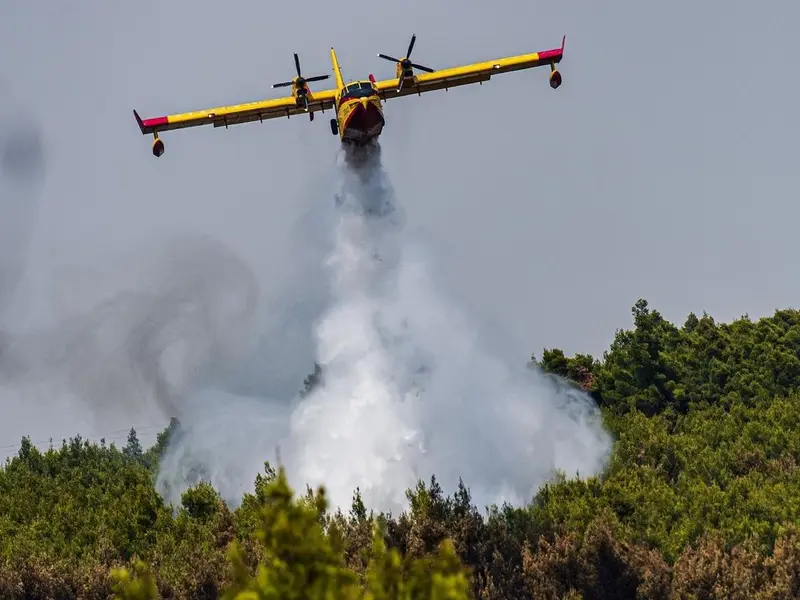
<point x="359" y="90"/>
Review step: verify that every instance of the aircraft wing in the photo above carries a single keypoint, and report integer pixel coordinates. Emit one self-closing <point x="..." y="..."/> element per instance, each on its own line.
<point x="467" y="74"/>
<point x="224" y="116"/>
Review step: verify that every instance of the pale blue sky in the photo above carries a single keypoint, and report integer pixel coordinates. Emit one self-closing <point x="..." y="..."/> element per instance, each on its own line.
<point x="665" y="166"/>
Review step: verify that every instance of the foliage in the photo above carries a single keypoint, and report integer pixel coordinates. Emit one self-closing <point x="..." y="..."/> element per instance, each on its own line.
<point x="701" y="499"/>
<point x="301" y="560"/>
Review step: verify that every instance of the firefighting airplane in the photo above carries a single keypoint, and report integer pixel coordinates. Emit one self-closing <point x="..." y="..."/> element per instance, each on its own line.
<point x="357" y="105"/>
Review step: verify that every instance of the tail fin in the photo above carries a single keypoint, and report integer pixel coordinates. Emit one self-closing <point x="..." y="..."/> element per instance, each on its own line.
<point x="337" y="72"/>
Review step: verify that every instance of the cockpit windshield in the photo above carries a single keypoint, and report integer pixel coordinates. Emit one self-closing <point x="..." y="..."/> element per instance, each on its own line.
<point x="358" y="90"/>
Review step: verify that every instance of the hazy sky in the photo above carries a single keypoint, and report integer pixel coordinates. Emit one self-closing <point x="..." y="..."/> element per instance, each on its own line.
<point x="665" y="166"/>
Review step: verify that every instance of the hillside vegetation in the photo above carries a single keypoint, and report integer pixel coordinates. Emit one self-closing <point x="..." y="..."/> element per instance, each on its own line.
<point x="701" y="500"/>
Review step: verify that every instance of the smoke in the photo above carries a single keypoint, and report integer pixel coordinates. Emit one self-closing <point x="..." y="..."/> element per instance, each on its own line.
<point x="285" y="352"/>
<point x="410" y="387"/>
<point x="22" y="171"/>
<point x="182" y="315"/>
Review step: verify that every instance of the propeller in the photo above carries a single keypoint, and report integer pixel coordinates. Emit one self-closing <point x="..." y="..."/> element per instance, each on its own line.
<point x="405" y="63"/>
<point x="300" y="81"/>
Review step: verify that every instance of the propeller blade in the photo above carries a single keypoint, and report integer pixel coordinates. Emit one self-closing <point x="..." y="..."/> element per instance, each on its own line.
<point x="282" y="84"/>
<point x="406" y="62"/>
<point x="297" y="64"/>
<point x="411" y="45"/>
<point x="317" y="78"/>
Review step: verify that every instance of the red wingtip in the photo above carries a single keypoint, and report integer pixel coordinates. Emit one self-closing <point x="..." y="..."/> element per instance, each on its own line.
<point x="553" y="55"/>
<point x="149" y="125"/>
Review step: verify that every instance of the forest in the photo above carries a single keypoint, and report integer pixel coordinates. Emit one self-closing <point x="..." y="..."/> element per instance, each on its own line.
<point x="701" y="500"/>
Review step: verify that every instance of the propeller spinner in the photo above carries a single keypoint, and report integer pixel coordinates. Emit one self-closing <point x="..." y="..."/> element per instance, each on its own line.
<point x="404" y="65"/>
<point x="300" y="83"/>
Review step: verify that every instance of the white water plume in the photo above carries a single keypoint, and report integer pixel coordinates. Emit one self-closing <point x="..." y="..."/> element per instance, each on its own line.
<point x="409" y="388"/>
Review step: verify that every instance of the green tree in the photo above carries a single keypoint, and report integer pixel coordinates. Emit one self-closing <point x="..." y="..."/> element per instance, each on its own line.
<point x="133" y="448"/>
<point x="301" y="560"/>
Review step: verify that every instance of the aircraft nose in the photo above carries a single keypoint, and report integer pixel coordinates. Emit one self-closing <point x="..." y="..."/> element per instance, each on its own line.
<point x="364" y="102"/>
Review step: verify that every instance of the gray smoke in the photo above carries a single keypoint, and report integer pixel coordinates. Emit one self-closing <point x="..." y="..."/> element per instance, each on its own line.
<point x="411" y="387"/>
<point x="22" y="172"/>
<point x="181" y="314"/>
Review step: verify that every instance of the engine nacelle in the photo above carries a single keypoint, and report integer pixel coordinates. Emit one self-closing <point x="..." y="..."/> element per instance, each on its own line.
<point x="402" y="71"/>
<point x="299" y="92"/>
<point x="555" y="78"/>
<point x="158" y="147"/>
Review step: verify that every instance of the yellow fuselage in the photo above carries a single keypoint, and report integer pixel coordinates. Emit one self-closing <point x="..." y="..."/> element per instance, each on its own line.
<point x="359" y="113"/>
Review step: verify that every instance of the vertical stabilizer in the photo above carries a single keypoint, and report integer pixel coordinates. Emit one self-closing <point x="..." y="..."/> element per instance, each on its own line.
<point x="337" y="72"/>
